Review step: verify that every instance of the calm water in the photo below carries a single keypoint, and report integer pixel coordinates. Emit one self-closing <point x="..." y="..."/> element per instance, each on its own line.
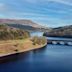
<point x="52" y="58"/>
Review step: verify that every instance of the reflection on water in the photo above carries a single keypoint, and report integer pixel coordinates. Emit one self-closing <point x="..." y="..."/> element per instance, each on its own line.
<point x="58" y="38"/>
<point x="20" y="56"/>
<point x="14" y="57"/>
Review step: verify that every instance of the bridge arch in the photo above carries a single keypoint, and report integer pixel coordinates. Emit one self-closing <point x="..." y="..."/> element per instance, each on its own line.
<point x="62" y="43"/>
<point x="54" y="42"/>
<point x="69" y="43"/>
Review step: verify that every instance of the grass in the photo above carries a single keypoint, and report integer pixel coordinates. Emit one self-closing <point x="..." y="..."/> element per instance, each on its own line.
<point x="13" y="46"/>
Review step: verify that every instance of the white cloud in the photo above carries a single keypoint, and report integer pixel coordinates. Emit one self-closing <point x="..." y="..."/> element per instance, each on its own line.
<point x="66" y="2"/>
<point x="24" y="13"/>
<point x="3" y="7"/>
<point x="55" y="11"/>
<point x="32" y="1"/>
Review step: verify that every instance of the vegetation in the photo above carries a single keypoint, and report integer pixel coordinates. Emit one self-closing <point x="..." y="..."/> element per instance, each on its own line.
<point x="38" y="40"/>
<point x="65" y="31"/>
<point x="10" y="33"/>
<point x="15" y="40"/>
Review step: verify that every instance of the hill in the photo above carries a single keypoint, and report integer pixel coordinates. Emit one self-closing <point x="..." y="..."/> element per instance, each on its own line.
<point x="65" y="31"/>
<point x="20" y="26"/>
<point x="20" y="21"/>
<point x="10" y="33"/>
<point x="15" y="41"/>
<point x="23" y="24"/>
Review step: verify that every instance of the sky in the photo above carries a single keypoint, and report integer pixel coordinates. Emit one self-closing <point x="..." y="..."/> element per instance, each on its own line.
<point x="49" y="13"/>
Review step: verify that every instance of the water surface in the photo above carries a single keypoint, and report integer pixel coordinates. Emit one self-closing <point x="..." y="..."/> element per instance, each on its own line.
<point x="52" y="58"/>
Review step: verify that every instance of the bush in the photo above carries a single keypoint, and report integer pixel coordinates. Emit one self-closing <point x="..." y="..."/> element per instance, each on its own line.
<point x="8" y="33"/>
<point x="38" y="40"/>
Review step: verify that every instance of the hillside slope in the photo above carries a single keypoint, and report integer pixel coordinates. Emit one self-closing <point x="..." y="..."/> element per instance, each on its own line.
<point x="20" y="21"/>
<point x="9" y="33"/>
<point x="65" y="31"/>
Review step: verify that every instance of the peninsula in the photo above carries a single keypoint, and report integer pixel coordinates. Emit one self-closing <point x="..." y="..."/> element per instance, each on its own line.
<point x="14" y="40"/>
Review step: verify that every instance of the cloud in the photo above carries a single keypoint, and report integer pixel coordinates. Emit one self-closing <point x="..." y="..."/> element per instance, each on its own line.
<point x="3" y="7"/>
<point x="66" y="2"/>
<point x="55" y="11"/>
<point x="28" y="14"/>
<point x="32" y="1"/>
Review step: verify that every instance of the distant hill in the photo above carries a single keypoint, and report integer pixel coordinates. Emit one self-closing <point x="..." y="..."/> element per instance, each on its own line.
<point x="20" y="26"/>
<point x="20" y="21"/>
<point x="65" y="31"/>
<point x="10" y="33"/>
<point x="24" y="24"/>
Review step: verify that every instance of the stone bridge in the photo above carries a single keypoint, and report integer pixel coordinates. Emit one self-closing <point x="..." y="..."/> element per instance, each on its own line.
<point x="59" y="42"/>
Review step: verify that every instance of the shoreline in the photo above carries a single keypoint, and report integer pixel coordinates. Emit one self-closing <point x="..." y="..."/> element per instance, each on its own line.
<point x="58" y="36"/>
<point x="23" y="50"/>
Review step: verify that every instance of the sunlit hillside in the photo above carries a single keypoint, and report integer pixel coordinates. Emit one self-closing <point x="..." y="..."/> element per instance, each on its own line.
<point x="10" y="33"/>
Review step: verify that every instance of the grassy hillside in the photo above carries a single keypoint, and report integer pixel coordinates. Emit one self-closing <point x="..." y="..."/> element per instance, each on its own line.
<point x="10" y="33"/>
<point x="65" y="31"/>
<point x="14" y="40"/>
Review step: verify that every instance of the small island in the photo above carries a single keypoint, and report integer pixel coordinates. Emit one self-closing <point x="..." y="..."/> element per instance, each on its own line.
<point x="15" y="40"/>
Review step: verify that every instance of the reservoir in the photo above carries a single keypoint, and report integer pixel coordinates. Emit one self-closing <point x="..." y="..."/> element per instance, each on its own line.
<point x="52" y="58"/>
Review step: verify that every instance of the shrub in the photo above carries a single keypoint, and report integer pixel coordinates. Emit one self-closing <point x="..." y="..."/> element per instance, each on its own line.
<point x="38" y="40"/>
<point x="8" y="33"/>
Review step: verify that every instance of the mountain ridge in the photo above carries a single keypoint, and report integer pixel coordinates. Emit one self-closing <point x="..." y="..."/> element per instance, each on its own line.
<point x="24" y="24"/>
<point x="20" y="21"/>
<point x="65" y="31"/>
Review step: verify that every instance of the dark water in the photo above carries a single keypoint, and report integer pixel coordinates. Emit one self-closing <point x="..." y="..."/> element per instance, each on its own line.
<point x="52" y="58"/>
